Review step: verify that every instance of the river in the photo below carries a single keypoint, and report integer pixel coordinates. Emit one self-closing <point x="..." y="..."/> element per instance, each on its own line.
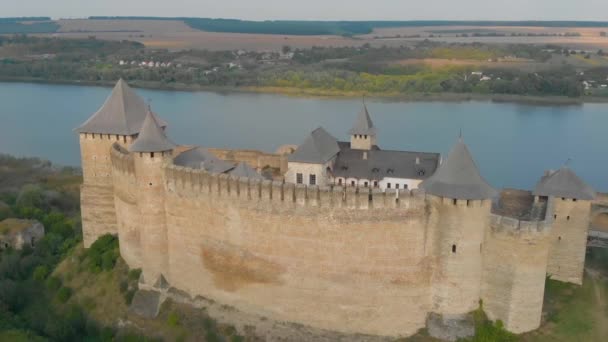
<point x="512" y="143"/>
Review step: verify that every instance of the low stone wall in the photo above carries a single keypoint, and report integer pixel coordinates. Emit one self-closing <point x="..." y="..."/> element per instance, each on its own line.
<point x="255" y="159"/>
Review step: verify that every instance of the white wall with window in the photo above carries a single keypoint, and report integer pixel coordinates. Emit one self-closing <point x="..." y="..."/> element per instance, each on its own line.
<point x="308" y="174"/>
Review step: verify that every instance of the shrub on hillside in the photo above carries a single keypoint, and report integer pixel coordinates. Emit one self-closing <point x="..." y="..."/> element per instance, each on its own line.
<point x="53" y="283"/>
<point x="40" y="273"/>
<point x="103" y="254"/>
<point x="64" y="294"/>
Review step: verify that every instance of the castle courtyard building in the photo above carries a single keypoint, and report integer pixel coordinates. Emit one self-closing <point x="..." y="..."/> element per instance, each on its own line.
<point x="348" y="237"/>
<point x="322" y="160"/>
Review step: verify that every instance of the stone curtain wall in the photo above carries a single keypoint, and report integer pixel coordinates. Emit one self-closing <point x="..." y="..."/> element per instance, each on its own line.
<point x="126" y="207"/>
<point x="256" y="159"/>
<point x="371" y="261"/>
<point x="515" y="257"/>
<point x="290" y="253"/>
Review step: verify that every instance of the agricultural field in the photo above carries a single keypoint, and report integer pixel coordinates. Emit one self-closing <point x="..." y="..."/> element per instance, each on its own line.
<point x="179" y="35"/>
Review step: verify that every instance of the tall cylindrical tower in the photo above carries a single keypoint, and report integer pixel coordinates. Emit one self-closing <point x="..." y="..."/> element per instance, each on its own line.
<point x="117" y="121"/>
<point x="571" y="198"/>
<point x="459" y="201"/>
<point x="151" y="150"/>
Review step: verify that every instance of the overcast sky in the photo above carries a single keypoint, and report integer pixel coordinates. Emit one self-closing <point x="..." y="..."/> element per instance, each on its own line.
<point x="317" y="9"/>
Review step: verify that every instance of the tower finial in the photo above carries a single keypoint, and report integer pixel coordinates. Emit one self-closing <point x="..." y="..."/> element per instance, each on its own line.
<point x="567" y="163"/>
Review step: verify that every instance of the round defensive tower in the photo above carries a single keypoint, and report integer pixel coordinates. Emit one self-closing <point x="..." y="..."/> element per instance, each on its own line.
<point x="151" y="150"/>
<point x="459" y="204"/>
<point x="117" y="121"/>
<point x="571" y="198"/>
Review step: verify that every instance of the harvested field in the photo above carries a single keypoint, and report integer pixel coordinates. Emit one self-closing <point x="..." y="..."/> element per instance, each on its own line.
<point x="176" y="35"/>
<point x="590" y="36"/>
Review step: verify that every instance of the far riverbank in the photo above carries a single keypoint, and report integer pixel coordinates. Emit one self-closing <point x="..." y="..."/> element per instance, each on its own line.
<point x="325" y="93"/>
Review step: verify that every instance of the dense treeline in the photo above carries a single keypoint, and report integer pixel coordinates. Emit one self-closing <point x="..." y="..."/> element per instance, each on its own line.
<point x="356" y="70"/>
<point x="34" y="302"/>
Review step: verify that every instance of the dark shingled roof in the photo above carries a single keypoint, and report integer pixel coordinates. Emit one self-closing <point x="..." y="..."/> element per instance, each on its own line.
<point x="151" y="137"/>
<point x="363" y="124"/>
<point x="564" y="183"/>
<point x="380" y="164"/>
<point x="244" y="170"/>
<point x="123" y="113"/>
<point x="201" y="158"/>
<point x="458" y="177"/>
<point x="318" y="148"/>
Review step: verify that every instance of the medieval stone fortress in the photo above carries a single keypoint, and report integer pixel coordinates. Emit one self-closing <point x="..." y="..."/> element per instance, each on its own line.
<point x="344" y="236"/>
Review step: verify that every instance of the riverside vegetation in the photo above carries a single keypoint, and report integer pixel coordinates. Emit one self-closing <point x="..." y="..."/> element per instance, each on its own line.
<point x="57" y="291"/>
<point x="423" y="68"/>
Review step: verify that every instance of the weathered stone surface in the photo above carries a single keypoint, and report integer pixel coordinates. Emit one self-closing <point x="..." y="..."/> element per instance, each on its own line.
<point x="146" y="303"/>
<point x="450" y="327"/>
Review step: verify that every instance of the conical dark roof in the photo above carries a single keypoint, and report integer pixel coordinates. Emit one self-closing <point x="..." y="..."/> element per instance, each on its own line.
<point x="123" y="113"/>
<point x="564" y="183"/>
<point x="244" y="170"/>
<point x="151" y="137"/>
<point x="458" y="177"/>
<point x="319" y="147"/>
<point x="363" y="124"/>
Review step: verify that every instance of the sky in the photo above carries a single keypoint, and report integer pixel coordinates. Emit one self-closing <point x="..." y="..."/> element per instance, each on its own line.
<point x="317" y="9"/>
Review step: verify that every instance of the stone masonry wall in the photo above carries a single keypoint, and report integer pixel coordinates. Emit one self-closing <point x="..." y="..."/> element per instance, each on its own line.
<point x="291" y="253"/>
<point x="569" y="240"/>
<point x="128" y="217"/>
<point x="97" y="190"/>
<point x="514" y="266"/>
<point x="458" y="228"/>
<point x="255" y="159"/>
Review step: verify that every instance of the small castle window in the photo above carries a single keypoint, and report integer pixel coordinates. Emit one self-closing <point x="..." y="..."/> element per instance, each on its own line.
<point x="388" y="186"/>
<point x="312" y="179"/>
<point x="365" y="136"/>
<point x="563" y="198"/>
<point x="150" y="184"/>
<point x="124" y="139"/>
<point x="365" y="184"/>
<point x="151" y="154"/>
<point x="455" y="201"/>
<point x="405" y="186"/>
<point x="375" y="184"/>
<point x="453" y="248"/>
<point x="567" y="218"/>
<point x="574" y="200"/>
<point x="397" y="186"/>
<point x="299" y="178"/>
<point x="340" y="181"/>
<point x="352" y="183"/>
<point x="559" y="238"/>
<point x="554" y="217"/>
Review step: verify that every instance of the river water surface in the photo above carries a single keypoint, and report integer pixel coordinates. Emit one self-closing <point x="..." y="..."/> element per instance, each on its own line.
<point x="512" y="143"/>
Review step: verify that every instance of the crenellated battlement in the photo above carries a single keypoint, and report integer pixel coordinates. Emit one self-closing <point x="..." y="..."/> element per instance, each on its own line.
<point x="190" y="182"/>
